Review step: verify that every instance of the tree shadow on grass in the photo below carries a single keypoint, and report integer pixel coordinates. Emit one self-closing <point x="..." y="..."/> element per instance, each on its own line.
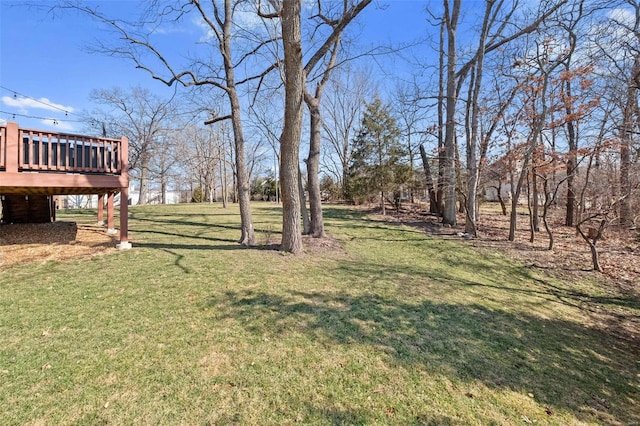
<point x="613" y="313"/>
<point x="180" y="238"/>
<point x="564" y="364"/>
<point x="182" y="222"/>
<point x="203" y="226"/>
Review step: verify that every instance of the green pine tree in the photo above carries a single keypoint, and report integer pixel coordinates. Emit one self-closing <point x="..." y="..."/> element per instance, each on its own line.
<point x="377" y="166"/>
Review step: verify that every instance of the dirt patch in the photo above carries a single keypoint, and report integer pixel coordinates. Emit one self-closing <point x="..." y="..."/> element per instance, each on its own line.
<point x="319" y="247"/>
<point x="59" y="241"/>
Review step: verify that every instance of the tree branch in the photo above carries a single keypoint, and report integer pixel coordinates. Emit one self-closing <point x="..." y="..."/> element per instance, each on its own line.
<point x="346" y="18"/>
<point x="217" y="119"/>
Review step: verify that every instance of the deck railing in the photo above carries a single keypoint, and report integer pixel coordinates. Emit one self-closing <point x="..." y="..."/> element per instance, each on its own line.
<point x="41" y="151"/>
<point x="3" y="149"/>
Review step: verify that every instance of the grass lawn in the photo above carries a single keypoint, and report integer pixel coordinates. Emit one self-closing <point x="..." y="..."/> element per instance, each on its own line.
<point x="396" y="327"/>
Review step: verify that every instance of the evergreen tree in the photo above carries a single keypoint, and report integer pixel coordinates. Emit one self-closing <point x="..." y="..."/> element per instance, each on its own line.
<point x="376" y="168"/>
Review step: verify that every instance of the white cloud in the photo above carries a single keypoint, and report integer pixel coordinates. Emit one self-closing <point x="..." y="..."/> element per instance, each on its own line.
<point x="623" y="16"/>
<point x="42" y="103"/>
<point x="245" y="18"/>
<point x="166" y="29"/>
<point x="60" y="126"/>
<point x="204" y="27"/>
<point x="611" y="34"/>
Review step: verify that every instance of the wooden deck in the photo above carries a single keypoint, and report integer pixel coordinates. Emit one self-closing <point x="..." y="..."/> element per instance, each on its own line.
<point x="43" y="163"/>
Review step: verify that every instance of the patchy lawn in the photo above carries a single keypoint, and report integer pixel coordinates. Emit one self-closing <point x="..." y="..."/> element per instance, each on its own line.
<point x="382" y="324"/>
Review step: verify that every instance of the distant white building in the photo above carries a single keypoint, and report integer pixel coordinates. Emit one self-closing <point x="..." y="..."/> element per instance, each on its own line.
<point x="91" y="201"/>
<point x="491" y="192"/>
<point x="153" y="196"/>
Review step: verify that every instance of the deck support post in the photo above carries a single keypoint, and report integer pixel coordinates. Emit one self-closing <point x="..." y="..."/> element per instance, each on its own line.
<point x="111" y="229"/>
<point x="100" y="209"/>
<point x="124" y="196"/>
<point x="124" y="220"/>
<point x="53" y="205"/>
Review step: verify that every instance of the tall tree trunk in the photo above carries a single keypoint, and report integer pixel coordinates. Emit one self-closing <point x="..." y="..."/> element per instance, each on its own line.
<point x="306" y="222"/>
<point x="472" y="152"/>
<point x="473" y="170"/>
<point x="163" y="189"/>
<point x="572" y="141"/>
<point x="313" y="161"/>
<point x="441" y="154"/>
<point x="290" y="139"/>
<point x="143" y="191"/>
<point x="548" y="200"/>
<point x="222" y="165"/>
<point x="626" y="135"/>
<point x="411" y="165"/>
<point x="535" y="199"/>
<point x="247" y="236"/>
<point x="313" y="166"/>
<point x="514" y="200"/>
<point x="433" y="207"/>
<point x="451" y="19"/>
<point x="461" y="201"/>
<point x="532" y="227"/>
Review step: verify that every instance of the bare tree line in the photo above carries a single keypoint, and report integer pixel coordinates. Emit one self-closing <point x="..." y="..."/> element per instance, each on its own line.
<point x="533" y="97"/>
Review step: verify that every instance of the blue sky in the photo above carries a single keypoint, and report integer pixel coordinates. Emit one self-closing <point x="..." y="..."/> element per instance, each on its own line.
<point x="46" y="70"/>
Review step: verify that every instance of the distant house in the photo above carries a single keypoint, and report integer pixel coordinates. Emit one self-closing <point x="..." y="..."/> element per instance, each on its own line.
<point x="497" y="177"/>
<point x="495" y="180"/>
<point x="81" y="201"/>
<point x="491" y="191"/>
<point x="154" y="196"/>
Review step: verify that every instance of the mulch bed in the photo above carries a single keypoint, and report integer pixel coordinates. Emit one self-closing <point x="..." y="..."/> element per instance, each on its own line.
<point x="60" y="241"/>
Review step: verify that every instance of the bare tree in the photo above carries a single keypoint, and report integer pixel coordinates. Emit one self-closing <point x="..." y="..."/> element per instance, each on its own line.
<point x="618" y="42"/>
<point x="473" y="120"/>
<point x="231" y="51"/>
<point x="536" y="68"/>
<point x="601" y="212"/>
<point x="165" y="161"/>
<point x="411" y="116"/>
<point x="503" y="22"/>
<point x="347" y="93"/>
<point x="451" y="16"/>
<point x="141" y="116"/>
<point x="289" y="12"/>
<point x="198" y="149"/>
<point x="433" y="208"/>
<point x="292" y="128"/>
<point x="336" y="19"/>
